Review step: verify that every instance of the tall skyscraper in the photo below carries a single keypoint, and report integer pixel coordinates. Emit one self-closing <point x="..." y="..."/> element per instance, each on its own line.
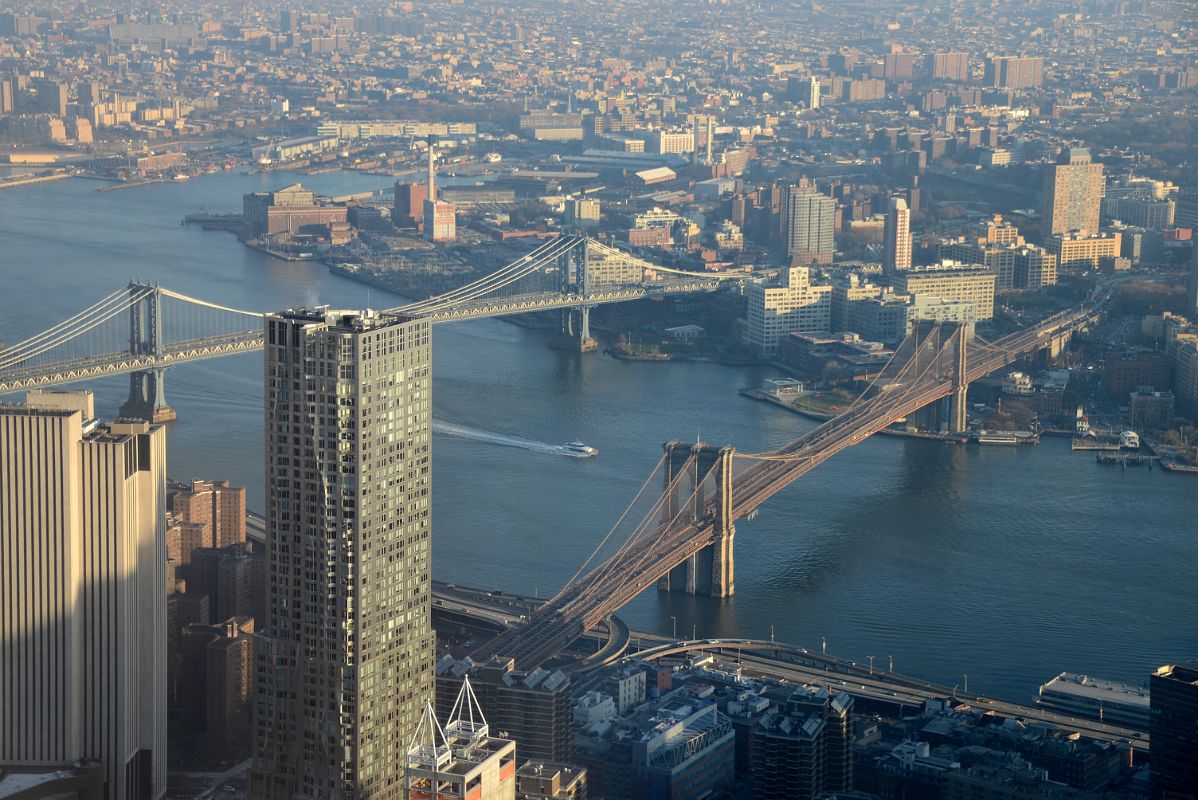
<point x="809" y="220"/>
<point x="345" y="657"/>
<point x="813" y="92"/>
<point x="83" y="594"/>
<point x="1192" y="284"/>
<point x="1072" y="194"/>
<point x="1174" y="723"/>
<point x="896" y="243"/>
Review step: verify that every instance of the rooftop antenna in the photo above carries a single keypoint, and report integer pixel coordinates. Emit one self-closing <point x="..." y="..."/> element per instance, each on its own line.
<point x="432" y="173"/>
<point x="466" y="720"/>
<point x="429" y="748"/>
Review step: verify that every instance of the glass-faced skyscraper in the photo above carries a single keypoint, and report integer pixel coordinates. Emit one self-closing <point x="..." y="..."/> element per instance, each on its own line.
<point x="345" y="660"/>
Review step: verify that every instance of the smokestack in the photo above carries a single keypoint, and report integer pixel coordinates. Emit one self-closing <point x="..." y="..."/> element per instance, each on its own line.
<point x="710" y="136"/>
<point x="432" y="173"/>
<point x="695" y="140"/>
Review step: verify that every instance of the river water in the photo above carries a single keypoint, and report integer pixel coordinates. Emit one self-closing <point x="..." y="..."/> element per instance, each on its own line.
<point x="1007" y="564"/>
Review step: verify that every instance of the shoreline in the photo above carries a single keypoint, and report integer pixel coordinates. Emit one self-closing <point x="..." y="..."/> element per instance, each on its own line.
<point x="33" y="180"/>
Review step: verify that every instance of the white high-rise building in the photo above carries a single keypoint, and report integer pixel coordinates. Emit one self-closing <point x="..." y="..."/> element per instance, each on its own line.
<point x="896" y="240"/>
<point x="345" y="658"/>
<point x="797" y="305"/>
<point x="83" y="591"/>
<point x="813" y="93"/>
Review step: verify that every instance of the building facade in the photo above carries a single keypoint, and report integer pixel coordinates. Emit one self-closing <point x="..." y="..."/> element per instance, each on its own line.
<point x="1082" y="252"/>
<point x="1014" y="72"/>
<point x="291" y="210"/>
<point x="583" y="212"/>
<point x="896" y="239"/>
<point x="809" y="225"/>
<point x="951" y="283"/>
<point x="1072" y="194"/>
<point x="1035" y="267"/>
<point x="345" y="659"/>
<point x="440" y="221"/>
<point x="408" y="210"/>
<point x="796" y="305"/>
<point x="83" y="600"/>
<point x="1174" y="729"/>
<point x="1191" y="300"/>
<point x="215" y="505"/>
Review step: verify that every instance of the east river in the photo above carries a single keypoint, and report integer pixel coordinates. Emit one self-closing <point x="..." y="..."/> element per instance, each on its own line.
<point x="1007" y="564"/>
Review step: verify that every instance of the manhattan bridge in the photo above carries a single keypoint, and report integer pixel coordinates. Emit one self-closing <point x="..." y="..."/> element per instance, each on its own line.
<point x="678" y="532"/>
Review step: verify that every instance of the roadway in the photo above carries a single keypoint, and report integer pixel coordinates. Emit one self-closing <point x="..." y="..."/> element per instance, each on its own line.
<point x="757" y="658"/>
<point x="98" y="366"/>
<point x="921" y="372"/>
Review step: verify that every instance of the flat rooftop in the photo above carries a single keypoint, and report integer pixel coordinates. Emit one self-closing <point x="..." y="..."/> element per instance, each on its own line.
<point x="1097" y="689"/>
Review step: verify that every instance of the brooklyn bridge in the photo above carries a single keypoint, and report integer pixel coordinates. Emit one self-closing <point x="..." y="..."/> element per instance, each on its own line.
<point x="679" y="531"/>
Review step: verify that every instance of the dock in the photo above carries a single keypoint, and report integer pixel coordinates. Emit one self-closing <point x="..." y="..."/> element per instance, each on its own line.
<point x="1125" y="460"/>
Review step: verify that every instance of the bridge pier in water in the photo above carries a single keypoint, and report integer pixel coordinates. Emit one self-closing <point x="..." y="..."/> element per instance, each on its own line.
<point x="951" y="414"/>
<point x="147" y="388"/>
<point x="712" y="570"/>
<point x="958" y="407"/>
<point x="147" y="397"/>
<point x="576" y="330"/>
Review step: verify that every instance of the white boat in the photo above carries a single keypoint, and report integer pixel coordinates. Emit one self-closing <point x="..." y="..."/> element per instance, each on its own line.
<point x="1129" y="440"/>
<point x="578" y="448"/>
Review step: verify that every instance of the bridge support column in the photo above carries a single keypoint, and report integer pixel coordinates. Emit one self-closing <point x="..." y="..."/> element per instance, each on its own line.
<point x="723" y="534"/>
<point x="958" y="416"/>
<point x="147" y="397"/>
<point x="712" y="570"/>
<point x="147" y="388"/>
<point x="576" y="330"/>
<point x="1056" y="346"/>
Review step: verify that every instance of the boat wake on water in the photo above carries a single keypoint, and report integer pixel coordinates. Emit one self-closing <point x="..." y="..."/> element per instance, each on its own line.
<point x="574" y="449"/>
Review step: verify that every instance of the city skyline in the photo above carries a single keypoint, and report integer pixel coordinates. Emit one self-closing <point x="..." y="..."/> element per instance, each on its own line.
<point x="807" y="399"/>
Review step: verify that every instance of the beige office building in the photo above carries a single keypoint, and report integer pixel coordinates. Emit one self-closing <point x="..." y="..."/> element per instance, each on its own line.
<point x="1073" y="190"/>
<point x="345" y="655"/>
<point x="1084" y="252"/>
<point x="796" y="305"/>
<point x="951" y="283"/>
<point x="1035" y="267"/>
<point x="896" y="239"/>
<point x="83" y="594"/>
